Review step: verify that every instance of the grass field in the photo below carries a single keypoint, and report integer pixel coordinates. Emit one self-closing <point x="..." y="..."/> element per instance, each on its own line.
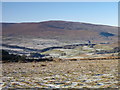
<point x="61" y="74"/>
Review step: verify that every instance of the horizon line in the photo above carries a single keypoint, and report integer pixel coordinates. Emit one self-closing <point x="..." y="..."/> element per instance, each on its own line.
<point x="59" y="20"/>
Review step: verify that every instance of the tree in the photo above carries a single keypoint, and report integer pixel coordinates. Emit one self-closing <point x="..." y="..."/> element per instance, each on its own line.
<point x="6" y="57"/>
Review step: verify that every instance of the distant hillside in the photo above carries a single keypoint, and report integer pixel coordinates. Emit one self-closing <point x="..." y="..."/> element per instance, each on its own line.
<point x="62" y="30"/>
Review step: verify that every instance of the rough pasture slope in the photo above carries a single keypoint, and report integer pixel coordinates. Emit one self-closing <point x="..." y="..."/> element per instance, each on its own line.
<point x="64" y="74"/>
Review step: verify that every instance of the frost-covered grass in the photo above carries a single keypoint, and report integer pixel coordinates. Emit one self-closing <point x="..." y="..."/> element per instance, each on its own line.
<point x="62" y="74"/>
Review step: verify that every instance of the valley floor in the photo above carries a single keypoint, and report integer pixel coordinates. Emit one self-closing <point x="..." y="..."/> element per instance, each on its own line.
<point x="61" y="74"/>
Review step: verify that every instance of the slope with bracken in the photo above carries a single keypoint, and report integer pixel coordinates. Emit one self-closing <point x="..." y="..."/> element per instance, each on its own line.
<point x="62" y="30"/>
